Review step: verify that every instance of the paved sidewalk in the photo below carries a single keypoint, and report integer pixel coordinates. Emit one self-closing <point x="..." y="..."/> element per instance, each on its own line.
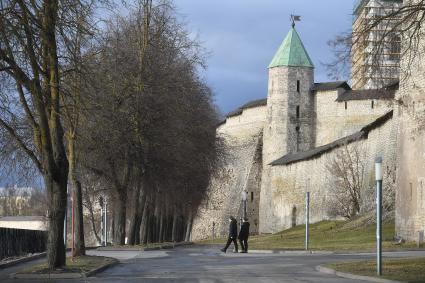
<point x="203" y="264"/>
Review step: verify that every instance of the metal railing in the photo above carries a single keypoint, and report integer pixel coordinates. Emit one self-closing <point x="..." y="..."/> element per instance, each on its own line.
<point x="18" y="242"/>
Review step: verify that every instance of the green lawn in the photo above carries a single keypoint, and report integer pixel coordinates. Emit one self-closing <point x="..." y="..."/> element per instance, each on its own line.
<point x="78" y="265"/>
<point x="407" y="270"/>
<point x="325" y="235"/>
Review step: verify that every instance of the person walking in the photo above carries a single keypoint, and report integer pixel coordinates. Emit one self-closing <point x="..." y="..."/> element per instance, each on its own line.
<point x="233" y="233"/>
<point x="243" y="235"/>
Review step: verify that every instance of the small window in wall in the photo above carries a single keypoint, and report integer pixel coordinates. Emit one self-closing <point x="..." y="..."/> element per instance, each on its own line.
<point x="252" y="196"/>
<point x="298" y="111"/>
<point x="411" y="191"/>
<point x="297" y="129"/>
<point x="298" y="85"/>
<point x="372" y="104"/>
<point x="345" y="105"/>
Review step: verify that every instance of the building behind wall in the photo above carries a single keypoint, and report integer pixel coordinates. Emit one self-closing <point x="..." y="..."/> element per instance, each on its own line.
<point x="371" y="71"/>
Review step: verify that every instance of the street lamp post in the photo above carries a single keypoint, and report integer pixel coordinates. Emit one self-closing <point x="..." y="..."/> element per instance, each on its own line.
<point x="65" y="220"/>
<point x="105" y="221"/>
<point x="244" y="197"/>
<point x="307" y="218"/>
<point x="378" y="177"/>
<point x="244" y="207"/>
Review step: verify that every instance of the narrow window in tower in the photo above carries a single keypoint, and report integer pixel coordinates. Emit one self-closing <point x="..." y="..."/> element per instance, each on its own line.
<point x="346" y="105"/>
<point x="373" y="104"/>
<point x="298" y="85"/>
<point x="297" y="129"/>
<point x="298" y="111"/>
<point x="252" y="196"/>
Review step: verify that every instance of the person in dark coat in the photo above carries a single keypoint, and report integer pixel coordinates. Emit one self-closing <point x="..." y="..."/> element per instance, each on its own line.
<point x="243" y="235"/>
<point x="233" y="233"/>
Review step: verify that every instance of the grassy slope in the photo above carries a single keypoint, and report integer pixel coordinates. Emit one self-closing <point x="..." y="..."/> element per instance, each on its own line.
<point x="407" y="270"/>
<point x="325" y="235"/>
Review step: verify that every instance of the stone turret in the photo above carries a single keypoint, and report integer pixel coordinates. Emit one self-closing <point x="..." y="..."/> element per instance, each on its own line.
<point x="290" y="115"/>
<point x="289" y="102"/>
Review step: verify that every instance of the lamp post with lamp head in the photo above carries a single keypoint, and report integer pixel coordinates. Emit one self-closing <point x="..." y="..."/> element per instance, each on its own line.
<point x="378" y="178"/>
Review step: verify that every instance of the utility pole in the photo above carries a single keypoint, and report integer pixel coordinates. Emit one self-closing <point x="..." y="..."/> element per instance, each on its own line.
<point x="72" y="226"/>
<point x="213" y="231"/>
<point x="64" y="221"/>
<point x="105" y="221"/>
<point x="307" y="218"/>
<point x="378" y="177"/>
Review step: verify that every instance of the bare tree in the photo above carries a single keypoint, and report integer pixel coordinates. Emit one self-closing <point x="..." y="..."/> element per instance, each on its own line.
<point x="347" y="170"/>
<point x="29" y="57"/>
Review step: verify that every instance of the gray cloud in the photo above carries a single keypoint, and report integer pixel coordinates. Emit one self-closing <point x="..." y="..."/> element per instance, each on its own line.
<point x="243" y="36"/>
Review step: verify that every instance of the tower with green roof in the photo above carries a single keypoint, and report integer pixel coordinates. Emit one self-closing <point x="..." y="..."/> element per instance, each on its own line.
<point x="289" y="101"/>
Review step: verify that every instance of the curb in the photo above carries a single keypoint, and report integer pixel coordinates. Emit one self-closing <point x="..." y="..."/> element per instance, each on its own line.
<point x="163" y="247"/>
<point x="30" y="258"/>
<point x="289" y="252"/>
<point x="331" y="271"/>
<point x="64" y="275"/>
<point x="22" y="260"/>
<point x="100" y="268"/>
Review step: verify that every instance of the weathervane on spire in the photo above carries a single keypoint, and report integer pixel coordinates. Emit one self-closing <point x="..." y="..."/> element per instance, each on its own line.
<point x="294" y="19"/>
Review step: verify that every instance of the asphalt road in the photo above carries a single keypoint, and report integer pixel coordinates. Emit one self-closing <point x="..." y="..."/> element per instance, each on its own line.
<point x="208" y="264"/>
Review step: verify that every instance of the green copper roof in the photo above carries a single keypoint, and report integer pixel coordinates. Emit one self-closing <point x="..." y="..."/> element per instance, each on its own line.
<point x="291" y="53"/>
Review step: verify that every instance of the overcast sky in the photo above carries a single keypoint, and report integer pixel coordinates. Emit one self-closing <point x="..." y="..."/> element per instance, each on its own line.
<point x="243" y="35"/>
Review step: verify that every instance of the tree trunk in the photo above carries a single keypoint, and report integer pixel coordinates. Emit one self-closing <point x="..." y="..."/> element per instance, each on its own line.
<point x="144" y="223"/>
<point x="137" y="229"/>
<point x="120" y="215"/>
<point x="79" y="245"/>
<point x="150" y="228"/>
<point x="174" y="229"/>
<point x="56" y="188"/>
<point x="156" y="217"/>
<point x="134" y="216"/>
<point x="80" y="248"/>
<point x="161" y="225"/>
<point x="136" y="219"/>
<point x="188" y="226"/>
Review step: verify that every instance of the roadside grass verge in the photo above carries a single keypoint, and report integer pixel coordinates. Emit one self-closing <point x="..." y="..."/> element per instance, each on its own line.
<point x="81" y="264"/>
<point x="407" y="270"/>
<point x="325" y="235"/>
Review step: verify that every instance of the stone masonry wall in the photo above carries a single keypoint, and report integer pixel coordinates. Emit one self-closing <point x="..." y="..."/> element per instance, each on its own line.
<point x="333" y="121"/>
<point x="241" y="171"/>
<point x="410" y="195"/>
<point x="290" y="182"/>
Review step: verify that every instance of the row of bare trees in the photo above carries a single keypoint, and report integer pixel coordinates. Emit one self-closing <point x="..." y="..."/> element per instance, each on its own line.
<point x="113" y="106"/>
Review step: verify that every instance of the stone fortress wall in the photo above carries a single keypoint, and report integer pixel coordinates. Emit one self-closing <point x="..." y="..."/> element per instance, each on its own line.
<point x="336" y="119"/>
<point x="279" y="147"/>
<point x="410" y="197"/>
<point x="242" y="133"/>
<point x="292" y="178"/>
